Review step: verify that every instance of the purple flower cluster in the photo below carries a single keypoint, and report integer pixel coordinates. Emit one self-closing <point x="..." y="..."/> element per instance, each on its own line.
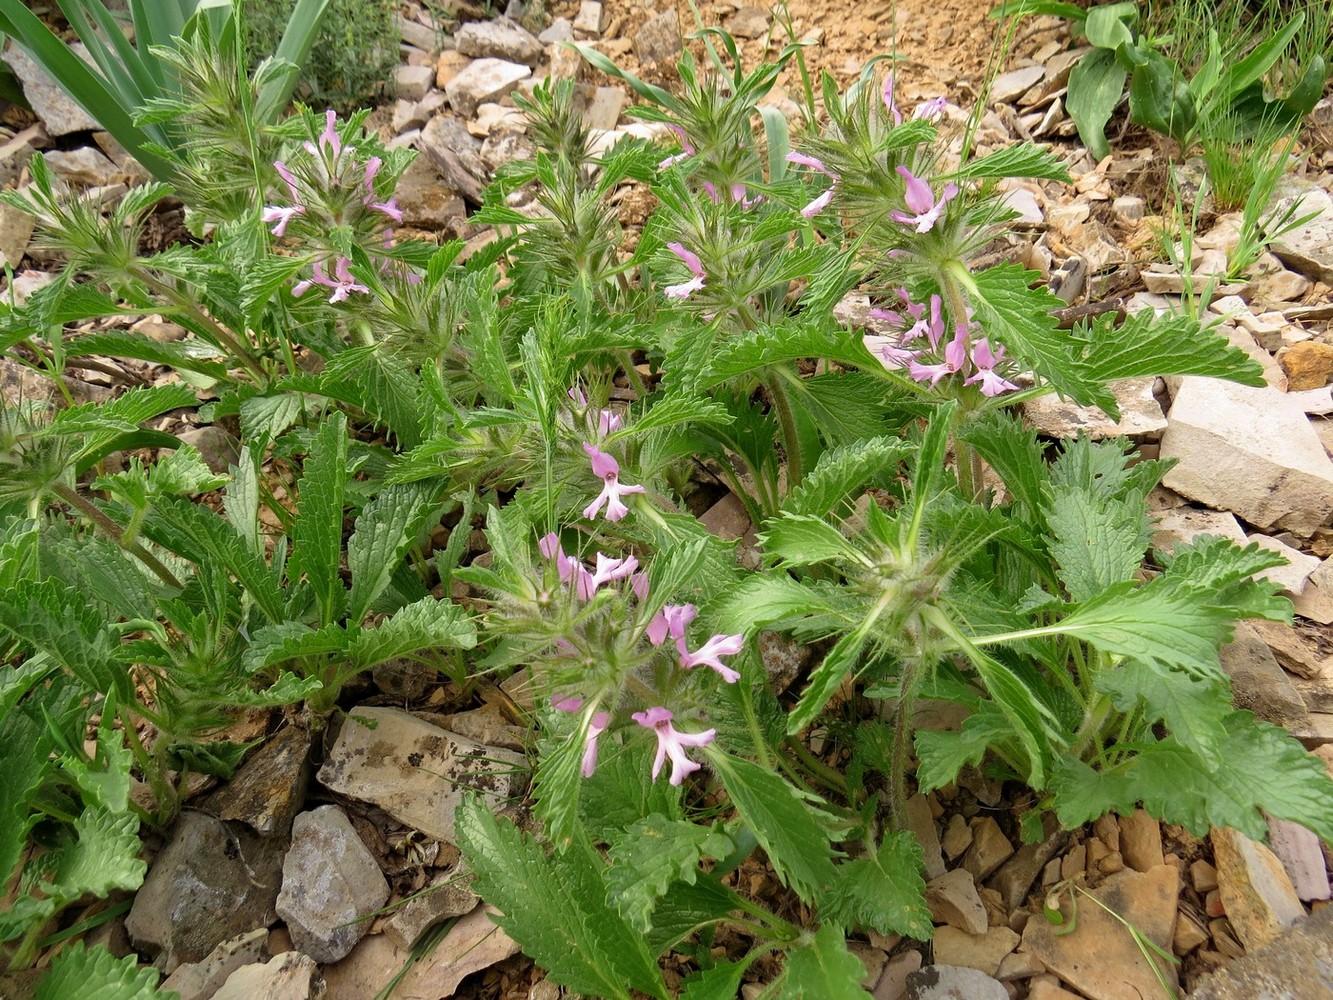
<point x="917" y="347"/>
<point x="333" y="185"/>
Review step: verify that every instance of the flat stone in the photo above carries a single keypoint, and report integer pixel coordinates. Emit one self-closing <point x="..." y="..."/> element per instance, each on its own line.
<point x="488" y="725"/>
<point x="450" y="63"/>
<point x="1293" y="650"/>
<point x="330" y="885"/>
<point x="417" y="34"/>
<point x="983" y="952"/>
<point x="559" y="30"/>
<point x="476" y="942"/>
<point x="952" y="982"/>
<point x="455" y="154"/>
<point x="1298" y="965"/>
<point x="1129" y="207"/>
<point x="1248" y="450"/>
<point x="922" y="825"/>
<point x="1190" y="934"/>
<point x="1049" y="988"/>
<point x="82" y="167"/>
<point x="289" y="976"/>
<point x="892" y="983"/>
<point x="213" y="881"/>
<point x="1308" y="365"/>
<point x="1100" y="958"/>
<point x="1014" y="878"/>
<point x="16" y="228"/>
<point x="1281" y="286"/>
<point x="1258" y="682"/>
<point x="484" y="80"/>
<point x="990" y="849"/>
<point x="1308" y="249"/>
<point x="1259" y="898"/>
<point x="417" y="772"/>
<point x="49" y="102"/>
<point x="19" y="384"/>
<point x="1141" y="841"/>
<point x="201" y="980"/>
<point x="410" y="83"/>
<point x="1019" y="965"/>
<point x="1140" y="414"/>
<point x="957" y="836"/>
<point x="448" y="895"/>
<point x="1024" y="204"/>
<point x="591" y="18"/>
<point x="267" y="791"/>
<point x="658" y="41"/>
<point x="748" y="22"/>
<point x="603" y="111"/>
<point x="426" y="200"/>
<point x="505" y="146"/>
<point x="499" y="39"/>
<point x="1184" y="524"/>
<point x="953" y="900"/>
<point x="1010" y="86"/>
<point x="1297" y="847"/>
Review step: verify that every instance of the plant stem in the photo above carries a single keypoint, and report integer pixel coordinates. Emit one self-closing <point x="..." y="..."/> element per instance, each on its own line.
<point x="818" y="769"/>
<point x="782" y="404"/>
<point x="91" y="511"/>
<point x="902" y="737"/>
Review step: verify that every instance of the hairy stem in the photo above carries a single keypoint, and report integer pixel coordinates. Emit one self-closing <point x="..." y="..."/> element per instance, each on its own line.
<point x="91" y="511"/>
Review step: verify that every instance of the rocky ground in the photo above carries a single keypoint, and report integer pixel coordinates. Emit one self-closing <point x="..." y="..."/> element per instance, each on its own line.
<point x="326" y="864"/>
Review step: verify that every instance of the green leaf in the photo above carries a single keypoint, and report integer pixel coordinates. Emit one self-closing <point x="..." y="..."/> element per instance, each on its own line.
<point x="943" y="753"/>
<point x="1258" y="768"/>
<point x="60" y="623"/>
<point x="822" y="968"/>
<point x="802" y="539"/>
<point x="653" y="854"/>
<point x="293" y="51"/>
<point x="775" y="345"/>
<point x="761" y="600"/>
<point x="555" y="907"/>
<point x="1194" y="709"/>
<point x="105" y="856"/>
<point x="838" y="664"/>
<point x="26" y="763"/>
<point x="187" y="355"/>
<point x="674" y="411"/>
<point x="318" y="532"/>
<point x="721" y="982"/>
<point x="1023" y="159"/>
<point x="1244" y="72"/>
<point x="796" y="842"/>
<point x="884" y="891"/>
<point x="842" y="472"/>
<point x="1096" y="84"/>
<point x="384" y="529"/>
<point x="1222" y="572"/>
<point x="1096" y="540"/>
<point x="621" y="790"/>
<point x="95" y="974"/>
<point x="429" y="623"/>
<point x="1107" y="26"/>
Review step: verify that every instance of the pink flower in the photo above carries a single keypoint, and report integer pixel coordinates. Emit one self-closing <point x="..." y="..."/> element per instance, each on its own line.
<point x="608" y="469"/>
<point x="738" y="196"/>
<point x="343" y="284"/>
<point x="694" y="265"/>
<point x="282" y="216"/>
<point x="566" y="703"/>
<point x="596" y="727"/>
<point x="566" y="566"/>
<point x="821" y="202"/>
<point x="328" y="139"/>
<point x="991" y="383"/>
<point x="608" y="422"/>
<point x="931" y="110"/>
<point x="671" y="620"/>
<point x="687" y="149"/>
<point x="897" y="357"/>
<point x="889" y="102"/>
<point x="638" y="583"/>
<point x="818" y="204"/>
<point x="920" y="199"/>
<point x="288" y="179"/>
<point x="389" y="208"/>
<point x="708" y="653"/>
<point x="672" y="743"/>
<point x="608" y="570"/>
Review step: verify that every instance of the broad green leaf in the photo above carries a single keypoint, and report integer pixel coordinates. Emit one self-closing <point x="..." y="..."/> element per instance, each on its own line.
<point x="1023" y="159"/>
<point x="674" y="569"/>
<point x="105" y="856"/>
<point x="1260" y="59"/>
<point x="317" y="534"/>
<point x="1224" y="572"/>
<point x="555" y="907"/>
<point x="842" y="472"/>
<point x="796" y="842"/>
<point x="60" y="623"/>
<point x="1194" y="709"/>
<point x="802" y="539"/>
<point x="884" y="891"/>
<point x="1012" y="450"/>
<point x="1107" y="26"/>
<point x="760" y="600"/>
<point x="621" y="790"/>
<point x="838" y="664"/>
<point x="288" y="641"/>
<point x="845" y="407"/>
<point x="95" y="974"/>
<point x="26" y="763"/>
<point x="721" y="982"/>
<point x="944" y="753"/>
<point x="776" y="345"/>
<point x="1144" y="345"/>
<point x="1096" y="540"/>
<point x="427" y="624"/>
<point x="653" y="854"/>
<point x="822" y="968"/>
<point x="189" y="355"/>
<point x="1258" y="768"/>
<point x="384" y="529"/>
<point x="557" y="781"/>
<point x="673" y="411"/>
<point x="1096" y="84"/>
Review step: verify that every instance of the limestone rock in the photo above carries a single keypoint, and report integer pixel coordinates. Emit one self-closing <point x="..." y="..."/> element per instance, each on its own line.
<point x="1184" y="524"/>
<point x="1299" y="964"/>
<point x="957" y="837"/>
<point x="658" y="41"/>
<point x="447" y="896"/>
<point x="591" y="18"/>
<point x="559" y="30"/>
<point x="1308" y="249"/>
<point x="1291" y="577"/>
<point x="983" y="952"/>
<point x="990" y="849"/>
<point x="472" y="944"/>
<point x="748" y="22"/>
<point x="922" y="824"/>
<point x="423" y="37"/>
<point x="1140" y="414"/>
<point x="953" y="900"/>
<point x="1014" y="878"/>
<point x="1009" y="86"/>
<point x="330" y="885"/>
<point x="201" y="980"/>
<point x="499" y="39"/>
<point x="1297" y="847"/>
<point x="1250" y="451"/>
<point x="1141" y="841"/>
<point x="289" y="976"/>
<point x="417" y="772"/>
<point x="50" y="103"/>
<point x="82" y="167"/>
<point x="410" y="83"/>
<point x="892" y="983"/>
<point x="1099" y="958"/>
<point x="952" y="982"/>
<point x="455" y="154"/>
<point x="483" y="80"/>
<point x="1259" y="898"/>
<point x="268" y="790"/>
<point x="603" y="111"/>
<point x="1258" y="682"/>
<point x="1308" y="365"/>
<point x="426" y="200"/>
<point x="212" y="881"/>
<point x="16" y="228"/>
<point x="1293" y="650"/>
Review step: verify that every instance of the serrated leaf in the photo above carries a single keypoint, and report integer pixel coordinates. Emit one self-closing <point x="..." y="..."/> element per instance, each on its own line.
<point x="673" y="411"/>
<point x="287" y="641"/>
<point x="944" y="753"/>
<point x="823" y="969"/>
<point x="838" y="664"/>
<point x="26" y="762"/>
<point x="653" y="854"/>
<point x="621" y="791"/>
<point x="58" y="622"/>
<point x="1012" y="450"/>
<point x="266" y="418"/>
<point x="104" y="857"/>
<point x="762" y="600"/>
<point x="1145" y="344"/>
<point x="721" y="982"/>
<point x="1193" y="708"/>
<point x="317" y="534"/>
<point x="189" y="355"/>
<point x="802" y="539"/>
<point x="429" y="623"/>
<point x="1224" y="572"/>
<point x="842" y="472"/>
<point x="845" y="406"/>
<point x="1258" y="768"/>
<point x="556" y="784"/>
<point x="673" y="569"/>
<point x="555" y="907"/>
<point x="797" y="844"/>
<point x="775" y="345"/>
<point x="1096" y="539"/>
<point x="1023" y="159"/>
<point x="884" y="891"/>
<point x="95" y="974"/>
<point x="384" y="529"/>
